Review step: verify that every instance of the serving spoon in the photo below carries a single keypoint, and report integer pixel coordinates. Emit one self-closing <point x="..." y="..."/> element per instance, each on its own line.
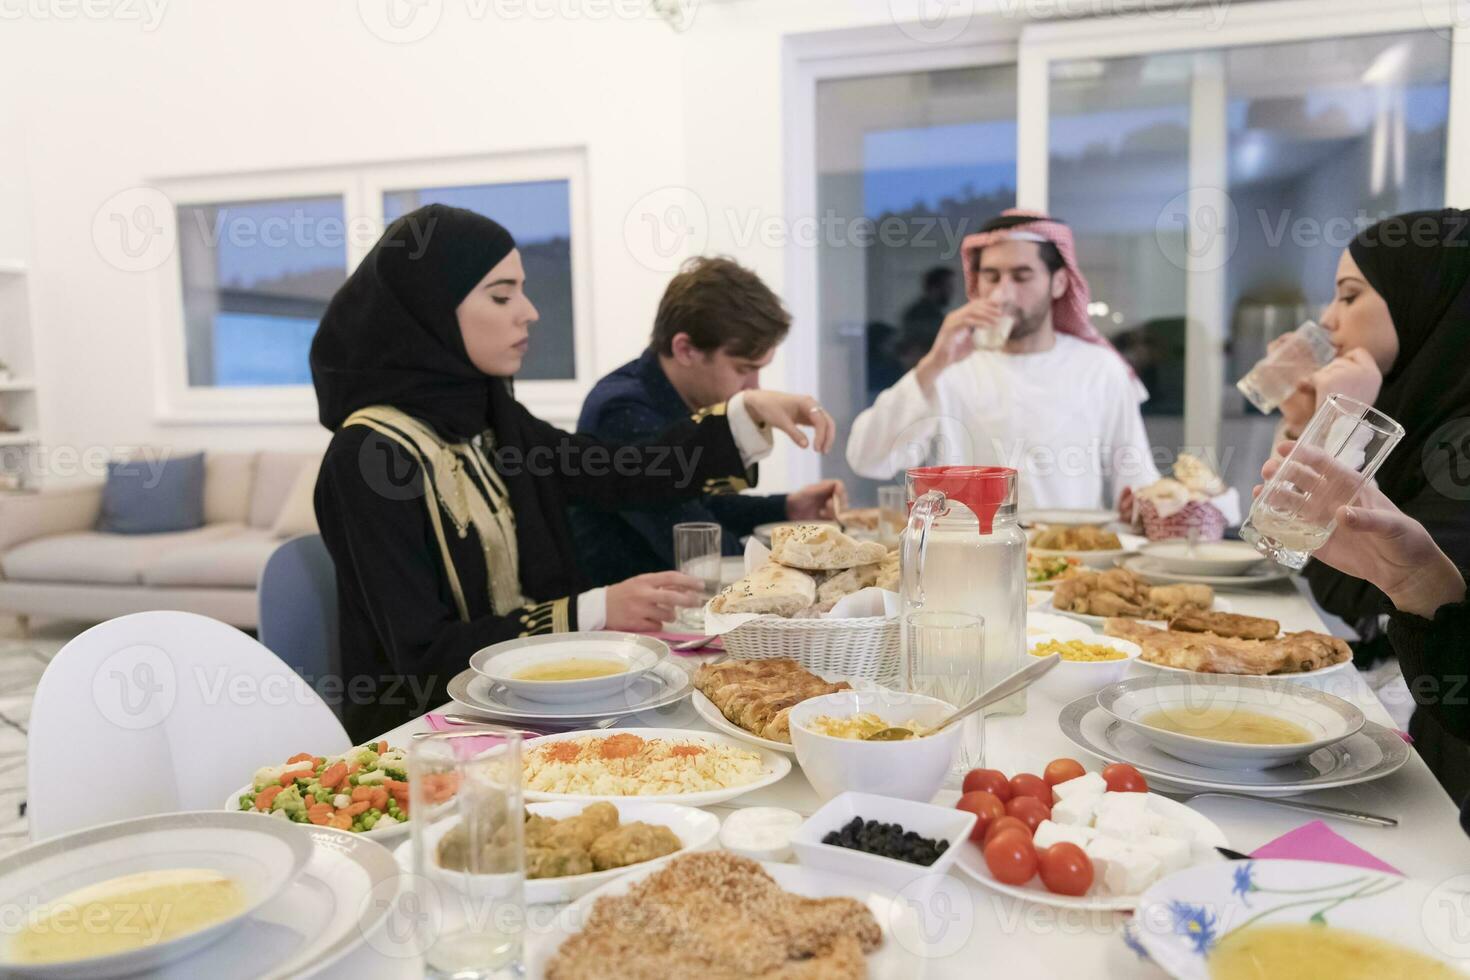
<point x="1021" y="679"/>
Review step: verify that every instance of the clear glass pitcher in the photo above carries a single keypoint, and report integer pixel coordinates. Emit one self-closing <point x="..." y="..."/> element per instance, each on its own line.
<point x="963" y="552"/>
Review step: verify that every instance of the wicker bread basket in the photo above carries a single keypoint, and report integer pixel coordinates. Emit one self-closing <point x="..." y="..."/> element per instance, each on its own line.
<point x="865" y="647"/>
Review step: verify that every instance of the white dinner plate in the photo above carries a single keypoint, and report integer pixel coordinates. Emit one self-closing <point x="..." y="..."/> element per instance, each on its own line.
<point x="898" y="956"/>
<point x="1098" y="559"/>
<point x="695" y="829"/>
<point x="261" y="856"/>
<point x="1301" y="677"/>
<point x="1182" y="917"/>
<point x="774" y="766"/>
<point x="338" y="901"/>
<point x="1049" y="606"/>
<point x="716" y="719"/>
<point x="1372" y="753"/>
<point x="666" y="684"/>
<point x="1150" y="569"/>
<point x="1063" y="517"/>
<point x="1208" y="836"/>
<point x="1050" y="624"/>
<point x="1230" y="558"/>
<point x="634" y="653"/>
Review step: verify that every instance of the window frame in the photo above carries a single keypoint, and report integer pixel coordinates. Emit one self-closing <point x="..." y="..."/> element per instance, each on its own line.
<point x="361" y="189"/>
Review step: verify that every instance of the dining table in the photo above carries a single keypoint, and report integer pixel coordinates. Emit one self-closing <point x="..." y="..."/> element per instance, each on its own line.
<point x="967" y="929"/>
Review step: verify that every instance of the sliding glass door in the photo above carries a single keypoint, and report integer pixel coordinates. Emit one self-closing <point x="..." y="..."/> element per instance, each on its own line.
<point x="907" y="165"/>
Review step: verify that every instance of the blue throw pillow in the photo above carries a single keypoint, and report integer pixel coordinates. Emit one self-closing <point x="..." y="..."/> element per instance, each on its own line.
<point x="148" y="496"/>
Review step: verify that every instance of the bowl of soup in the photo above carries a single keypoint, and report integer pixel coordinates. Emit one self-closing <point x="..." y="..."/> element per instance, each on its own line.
<point x="1227" y="722"/>
<point x="562" y="668"/>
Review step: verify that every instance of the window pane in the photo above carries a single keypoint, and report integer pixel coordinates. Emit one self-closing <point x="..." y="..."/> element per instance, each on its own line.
<point x="539" y="215"/>
<point x="907" y="165"/>
<point x="1321" y="139"/>
<point x="257" y="276"/>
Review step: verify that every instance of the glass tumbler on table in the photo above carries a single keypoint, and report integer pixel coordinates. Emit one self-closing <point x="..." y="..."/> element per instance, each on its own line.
<point x="945" y="659"/>
<point x="1274" y="377"/>
<point x="469" y="856"/>
<point x="893" y="513"/>
<point x="697" y="554"/>
<point x="1340" y="450"/>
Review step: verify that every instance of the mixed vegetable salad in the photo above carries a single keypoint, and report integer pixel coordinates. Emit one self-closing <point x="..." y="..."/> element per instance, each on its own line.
<point x="364" y="788"/>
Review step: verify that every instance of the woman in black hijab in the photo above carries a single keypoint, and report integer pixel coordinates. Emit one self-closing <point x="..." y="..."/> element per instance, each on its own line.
<point x="443" y="500"/>
<point x="1400" y="319"/>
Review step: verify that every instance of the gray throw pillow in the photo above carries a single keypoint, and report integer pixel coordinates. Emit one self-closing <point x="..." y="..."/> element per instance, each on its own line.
<point x="149" y="496"/>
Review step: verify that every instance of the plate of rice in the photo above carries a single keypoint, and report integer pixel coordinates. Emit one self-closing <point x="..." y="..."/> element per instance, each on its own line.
<point x="665" y="765"/>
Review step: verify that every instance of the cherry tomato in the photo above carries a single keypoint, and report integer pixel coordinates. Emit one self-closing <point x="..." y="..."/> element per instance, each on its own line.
<point x="990" y="780"/>
<point x="1000" y="825"/>
<point x="1061" y="770"/>
<point x="1028" y="784"/>
<point x="1065" y="869"/>
<point x="1029" y="810"/>
<point x="1123" y="778"/>
<point x="1011" y="858"/>
<point x="985" y="807"/>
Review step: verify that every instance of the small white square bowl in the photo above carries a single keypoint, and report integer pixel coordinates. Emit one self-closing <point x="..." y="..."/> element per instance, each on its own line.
<point x="925" y="819"/>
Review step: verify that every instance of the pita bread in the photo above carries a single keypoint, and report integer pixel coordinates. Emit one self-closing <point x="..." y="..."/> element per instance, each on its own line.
<point x="771" y="589"/>
<point x="821" y="547"/>
<point x="888" y="577"/>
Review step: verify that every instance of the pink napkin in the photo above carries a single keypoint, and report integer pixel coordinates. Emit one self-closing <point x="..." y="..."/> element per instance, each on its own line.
<point x="468" y="745"/>
<point x="1318" y="842"/>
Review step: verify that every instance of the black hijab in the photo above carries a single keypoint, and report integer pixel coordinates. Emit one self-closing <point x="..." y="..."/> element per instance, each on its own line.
<point x="390" y="337"/>
<point x="1420" y="264"/>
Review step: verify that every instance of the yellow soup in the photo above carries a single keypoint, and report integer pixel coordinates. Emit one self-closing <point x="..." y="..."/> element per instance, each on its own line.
<point x="1309" y="952"/>
<point x="123" y="914"/>
<point x="1229" y="725"/>
<point x="571" y="669"/>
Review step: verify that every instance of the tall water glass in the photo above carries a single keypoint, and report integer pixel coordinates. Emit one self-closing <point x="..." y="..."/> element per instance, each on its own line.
<point x="468" y="852"/>
<point x="1275" y="376"/>
<point x="893" y="513"/>
<point x="1341" y="449"/>
<point x="945" y="659"/>
<point x="697" y="554"/>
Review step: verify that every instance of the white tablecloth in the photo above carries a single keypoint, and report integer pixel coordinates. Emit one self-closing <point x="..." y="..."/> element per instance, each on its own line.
<point x="972" y="929"/>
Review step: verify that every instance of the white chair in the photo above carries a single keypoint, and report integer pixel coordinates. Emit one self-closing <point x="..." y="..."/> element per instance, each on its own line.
<point x="158" y="712"/>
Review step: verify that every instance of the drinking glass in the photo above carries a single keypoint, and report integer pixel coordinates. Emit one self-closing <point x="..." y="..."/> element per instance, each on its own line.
<point x="697" y="553"/>
<point x="468" y="853"/>
<point x="994" y="337"/>
<point x="1275" y="376"/>
<point x="1341" y="449"/>
<point x="945" y="657"/>
<point x="893" y="513"/>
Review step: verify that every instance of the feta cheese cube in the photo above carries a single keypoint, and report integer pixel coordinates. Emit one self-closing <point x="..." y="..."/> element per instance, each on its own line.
<point x="1172" y="854"/>
<point x="1049" y="832"/>
<point x="1128" y="805"/>
<point x="1077" y="809"/>
<point x="1123" y="826"/>
<point x="1086" y="784"/>
<point x="1174" y="829"/>
<point x="1121" y="868"/>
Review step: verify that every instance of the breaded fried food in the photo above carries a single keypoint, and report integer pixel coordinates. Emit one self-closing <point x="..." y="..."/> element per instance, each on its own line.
<point x="633" y="843"/>
<point x="1209" y="653"/>
<point x="1227" y="624"/>
<point x="1119" y="592"/>
<point x="716" y="916"/>
<point x="1084" y="538"/>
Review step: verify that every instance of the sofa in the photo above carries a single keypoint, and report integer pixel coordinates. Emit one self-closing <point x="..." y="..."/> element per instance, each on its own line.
<point x="54" y="563"/>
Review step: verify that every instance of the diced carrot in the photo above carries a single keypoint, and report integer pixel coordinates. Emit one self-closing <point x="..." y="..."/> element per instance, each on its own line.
<point x="382" y="746"/>
<point x="334" y="775"/>
<point x="361" y="793"/>
<point x="340" y="820"/>
<point x="353" y="768"/>
<point x="300" y="757"/>
<point x="319" y="813"/>
<point x="379" y="799"/>
<point x="264" y="797"/>
<point x="355" y="809"/>
<point x="394" y="784"/>
<point x="291" y="775"/>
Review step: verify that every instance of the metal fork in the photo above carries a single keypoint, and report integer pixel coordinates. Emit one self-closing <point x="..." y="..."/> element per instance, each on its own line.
<point x="1321" y="809"/>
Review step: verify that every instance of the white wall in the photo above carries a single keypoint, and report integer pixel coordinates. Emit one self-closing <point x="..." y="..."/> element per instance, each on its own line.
<point x="216" y="89"/>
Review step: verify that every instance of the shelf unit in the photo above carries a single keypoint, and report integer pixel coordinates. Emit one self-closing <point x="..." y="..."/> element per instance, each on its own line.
<point x="19" y="404"/>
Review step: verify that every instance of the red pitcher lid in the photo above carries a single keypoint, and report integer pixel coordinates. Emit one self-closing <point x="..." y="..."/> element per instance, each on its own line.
<point x="983" y="489"/>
